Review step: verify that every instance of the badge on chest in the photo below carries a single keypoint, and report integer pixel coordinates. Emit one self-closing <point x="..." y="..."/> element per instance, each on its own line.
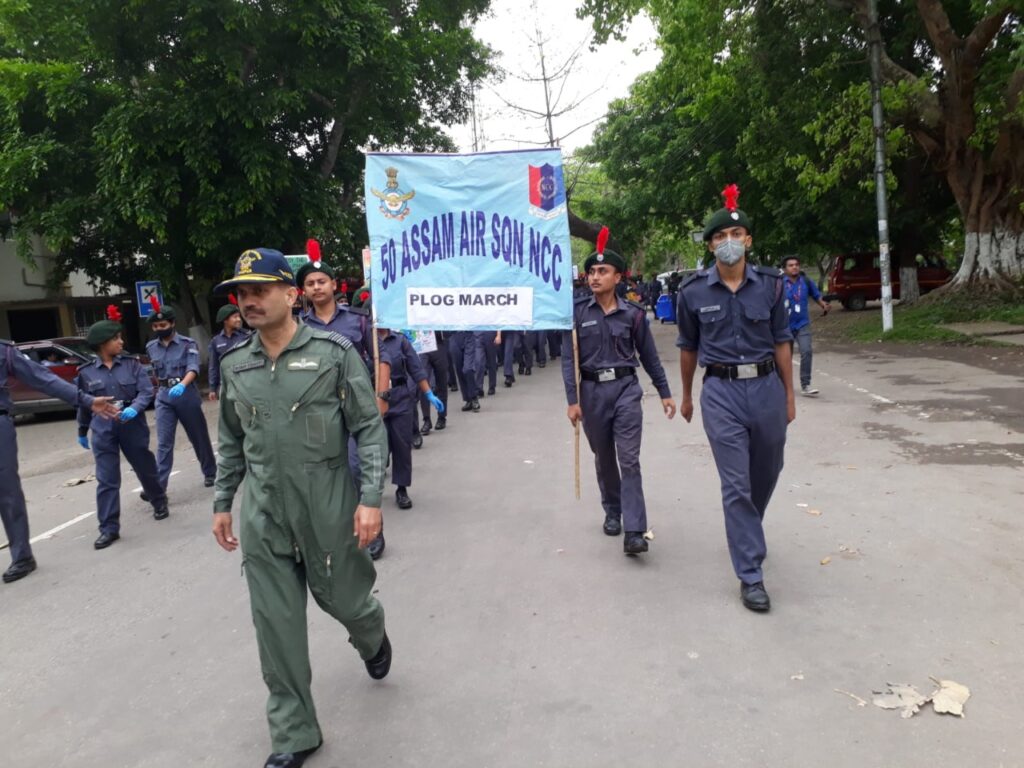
<point x="304" y="364"/>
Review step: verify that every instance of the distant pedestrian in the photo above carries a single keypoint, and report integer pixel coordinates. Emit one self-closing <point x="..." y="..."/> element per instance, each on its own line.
<point x="798" y="288"/>
<point x="230" y="335"/>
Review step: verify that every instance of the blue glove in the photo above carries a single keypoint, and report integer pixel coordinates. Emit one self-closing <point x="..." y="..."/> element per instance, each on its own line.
<point x="435" y="401"/>
<point x="128" y="414"/>
<point x="176" y="391"/>
<point x="84" y="442"/>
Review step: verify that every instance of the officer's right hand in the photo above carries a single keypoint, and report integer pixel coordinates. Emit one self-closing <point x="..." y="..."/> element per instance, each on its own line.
<point x="128" y="414"/>
<point x="84" y="442"/>
<point x="222" y="531"/>
<point x="366" y="524"/>
<point x="575" y="414"/>
<point x="212" y="396"/>
<point x="104" y="406"/>
<point x="686" y="409"/>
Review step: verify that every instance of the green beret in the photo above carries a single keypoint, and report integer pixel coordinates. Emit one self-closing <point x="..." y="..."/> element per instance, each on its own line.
<point x="723" y="218"/>
<point x="225" y="312"/>
<point x="165" y="313"/>
<point x="102" y="332"/>
<point x="362" y="298"/>
<point x="608" y="257"/>
<point x="309" y="268"/>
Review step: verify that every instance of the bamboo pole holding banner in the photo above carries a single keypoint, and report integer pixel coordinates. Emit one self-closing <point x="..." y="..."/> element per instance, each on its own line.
<point x="576" y="426"/>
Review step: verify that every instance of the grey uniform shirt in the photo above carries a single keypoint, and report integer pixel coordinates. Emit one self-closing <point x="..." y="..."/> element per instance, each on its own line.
<point x="727" y="328"/>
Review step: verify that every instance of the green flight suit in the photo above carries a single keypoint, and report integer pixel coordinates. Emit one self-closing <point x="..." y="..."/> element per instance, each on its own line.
<point x="284" y="428"/>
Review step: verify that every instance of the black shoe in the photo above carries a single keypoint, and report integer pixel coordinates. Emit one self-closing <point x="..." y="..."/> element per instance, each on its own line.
<point x="468" y="405"/>
<point x="612" y="525"/>
<point x="453" y="386"/>
<point x="289" y="759"/>
<point x="19" y="569"/>
<point x="522" y="370"/>
<point x="528" y="372"/>
<point x="508" y="381"/>
<point x="380" y="665"/>
<point x="441" y="423"/>
<point x="634" y="543"/>
<point x="755" y="596"/>
<point x="209" y="481"/>
<point x="402" y="498"/>
<point x="417" y="441"/>
<point x="542" y="365"/>
<point x="425" y="429"/>
<point x="144" y="496"/>
<point x="160" y="511"/>
<point x="475" y="405"/>
<point x="105" y="540"/>
<point x="376" y="547"/>
<point x="490" y="391"/>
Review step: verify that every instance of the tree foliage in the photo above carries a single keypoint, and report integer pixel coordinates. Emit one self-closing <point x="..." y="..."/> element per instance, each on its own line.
<point x="162" y="138"/>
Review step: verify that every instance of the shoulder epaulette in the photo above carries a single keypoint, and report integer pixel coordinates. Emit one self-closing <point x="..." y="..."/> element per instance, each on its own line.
<point x="694" y="276"/>
<point x="358" y="310"/>
<point x="337" y="338"/>
<point x="86" y="364"/>
<point x="584" y="297"/>
<point x="238" y="346"/>
<point x="186" y="339"/>
<point x="772" y="271"/>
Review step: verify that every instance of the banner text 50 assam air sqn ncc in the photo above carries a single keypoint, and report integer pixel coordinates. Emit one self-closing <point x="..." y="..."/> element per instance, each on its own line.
<point x="469" y="242"/>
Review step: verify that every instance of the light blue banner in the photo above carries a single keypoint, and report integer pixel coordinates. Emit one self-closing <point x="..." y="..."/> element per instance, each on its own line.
<point x="469" y="242"/>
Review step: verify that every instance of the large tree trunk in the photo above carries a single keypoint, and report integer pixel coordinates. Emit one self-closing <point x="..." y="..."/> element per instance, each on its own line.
<point x="993" y="262"/>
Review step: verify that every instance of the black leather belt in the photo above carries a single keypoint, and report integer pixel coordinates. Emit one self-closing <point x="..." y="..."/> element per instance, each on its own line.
<point x="748" y="371"/>
<point x="169" y="382"/>
<point x="608" y="374"/>
<point x="398" y="380"/>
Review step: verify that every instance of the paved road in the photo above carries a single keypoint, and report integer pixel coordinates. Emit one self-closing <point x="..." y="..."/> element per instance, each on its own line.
<point x="523" y="637"/>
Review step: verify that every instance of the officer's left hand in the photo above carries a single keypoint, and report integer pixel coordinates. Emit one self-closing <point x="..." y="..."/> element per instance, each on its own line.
<point x="128" y="414"/>
<point x="366" y="524"/>
<point x="790" y="408"/>
<point x="176" y="391"/>
<point x="84" y="442"/>
<point x="435" y="401"/>
<point x="669" y="405"/>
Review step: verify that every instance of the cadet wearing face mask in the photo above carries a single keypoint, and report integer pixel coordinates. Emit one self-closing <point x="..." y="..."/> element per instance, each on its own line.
<point x="733" y="322"/>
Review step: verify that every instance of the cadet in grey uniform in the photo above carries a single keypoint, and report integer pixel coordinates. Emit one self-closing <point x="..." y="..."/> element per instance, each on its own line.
<point x="12" y="500"/>
<point x="231" y="335"/>
<point x="733" y="322"/>
<point x="290" y="398"/>
<point x="611" y="333"/>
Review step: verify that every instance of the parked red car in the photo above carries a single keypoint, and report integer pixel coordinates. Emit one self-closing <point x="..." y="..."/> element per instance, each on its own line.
<point x="62" y="356"/>
<point x="857" y="279"/>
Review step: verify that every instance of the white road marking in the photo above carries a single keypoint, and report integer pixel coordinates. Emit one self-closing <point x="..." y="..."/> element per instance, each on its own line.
<point x="139" y="489"/>
<point x="61" y="527"/>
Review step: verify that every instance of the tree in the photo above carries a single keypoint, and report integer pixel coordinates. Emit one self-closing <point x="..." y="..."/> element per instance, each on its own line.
<point x="162" y="138"/>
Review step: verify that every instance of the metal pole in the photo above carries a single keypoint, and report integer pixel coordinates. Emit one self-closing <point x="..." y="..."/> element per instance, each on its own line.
<point x="875" y="42"/>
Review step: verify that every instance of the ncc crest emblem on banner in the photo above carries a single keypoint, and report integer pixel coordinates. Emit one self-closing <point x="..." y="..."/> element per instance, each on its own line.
<point x="547" y="191"/>
<point x="394" y="203"/>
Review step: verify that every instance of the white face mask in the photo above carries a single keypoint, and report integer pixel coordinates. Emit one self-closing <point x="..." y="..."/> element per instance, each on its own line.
<point x="730" y="252"/>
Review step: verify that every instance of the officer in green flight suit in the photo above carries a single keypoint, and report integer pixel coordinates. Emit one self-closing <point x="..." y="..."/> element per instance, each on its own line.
<point x="290" y="398"/>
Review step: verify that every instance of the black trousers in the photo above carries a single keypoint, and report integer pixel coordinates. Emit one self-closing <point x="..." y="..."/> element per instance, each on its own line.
<point x="436" y="363"/>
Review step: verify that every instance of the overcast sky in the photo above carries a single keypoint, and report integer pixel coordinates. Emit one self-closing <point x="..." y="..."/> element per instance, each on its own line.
<point x="606" y="73"/>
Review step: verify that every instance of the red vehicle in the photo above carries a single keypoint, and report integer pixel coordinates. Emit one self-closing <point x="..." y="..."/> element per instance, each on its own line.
<point x="857" y="279"/>
<point x="62" y="356"/>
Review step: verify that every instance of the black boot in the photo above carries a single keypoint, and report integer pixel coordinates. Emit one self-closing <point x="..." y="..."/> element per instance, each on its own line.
<point x="442" y="422"/>
<point x="475" y="405"/>
<point x="19" y="569"/>
<point x="160" y="511"/>
<point x="468" y="405"/>
<point x="105" y="540"/>
<point x="289" y="759"/>
<point x="402" y="498"/>
<point x="755" y="597"/>
<point x="634" y="543"/>
<point x="417" y="440"/>
<point x="380" y="665"/>
<point x="612" y="525"/>
<point x="508" y="381"/>
<point x="425" y="429"/>
<point x="376" y="547"/>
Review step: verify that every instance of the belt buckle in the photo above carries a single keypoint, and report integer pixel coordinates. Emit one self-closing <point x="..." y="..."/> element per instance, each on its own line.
<point x="747" y="371"/>
<point x="606" y="374"/>
<point x="173" y="382"/>
<point x="119" y="404"/>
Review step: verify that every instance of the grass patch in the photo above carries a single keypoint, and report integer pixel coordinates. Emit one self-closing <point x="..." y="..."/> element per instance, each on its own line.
<point x="920" y="322"/>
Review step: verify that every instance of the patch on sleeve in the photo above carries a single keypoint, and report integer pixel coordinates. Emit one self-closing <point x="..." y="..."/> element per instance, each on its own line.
<point x="712" y="308"/>
<point x="259" y="362"/>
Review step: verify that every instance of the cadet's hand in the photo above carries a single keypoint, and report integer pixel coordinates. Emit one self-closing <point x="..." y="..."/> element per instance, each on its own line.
<point x="366" y="524"/>
<point x="222" y="531"/>
<point x="669" y="405"/>
<point x="790" y="408"/>
<point x="212" y="396"/>
<point x="435" y="401"/>
<point x="104" y="406"/>
<point x="497" y="339"/>
<point x="686" y="409"/>
<point x="84" y="442"/>
<point x="382" y="406"/>
<point x="176" y="391"/>
<point x="128" y="414"/>
<point x="575" y="414"/>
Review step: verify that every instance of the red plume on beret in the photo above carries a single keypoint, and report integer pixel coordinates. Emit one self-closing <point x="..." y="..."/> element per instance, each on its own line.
<point x="155" y="304"/>
<point x="364" y="296"/>
<point x="602" y="239"/>
<point x="232" y="299"/>
<point x="113" y="313"/>
<point x="732" y="196"/>
<point x="313" y="249"/>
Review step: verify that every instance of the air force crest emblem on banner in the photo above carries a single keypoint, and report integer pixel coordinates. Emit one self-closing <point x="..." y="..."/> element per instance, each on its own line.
<point x="394" y="203"/>
<point x="547" y="191"/>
